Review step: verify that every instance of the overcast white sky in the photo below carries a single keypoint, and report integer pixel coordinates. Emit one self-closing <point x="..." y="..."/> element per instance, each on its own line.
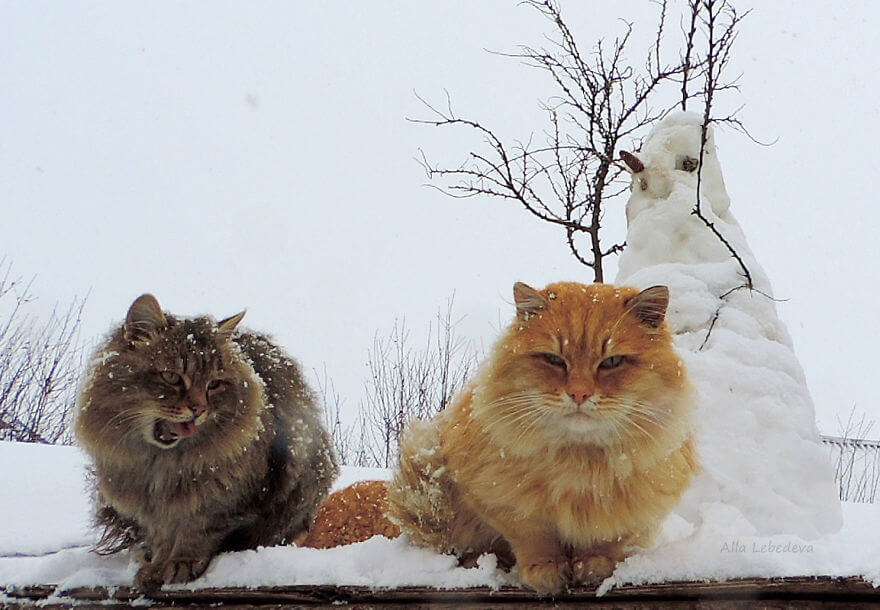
<point x="256" y="155"/>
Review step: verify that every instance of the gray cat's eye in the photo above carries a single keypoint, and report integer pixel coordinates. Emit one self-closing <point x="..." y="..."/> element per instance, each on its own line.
<point x="214" y="384"/>
<point x="170" y="377"/>
<point x="611" y="363"/>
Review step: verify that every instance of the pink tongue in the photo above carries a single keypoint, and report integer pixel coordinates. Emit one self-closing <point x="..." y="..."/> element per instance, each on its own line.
<point x="184" y="428"/>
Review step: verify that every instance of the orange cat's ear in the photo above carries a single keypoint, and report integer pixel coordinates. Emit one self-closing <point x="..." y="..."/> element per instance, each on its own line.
<point x="144" y="320"/>
<point x="528" y="300"/>
<point x="649" y="306"/>
<point x="227" y="325"/>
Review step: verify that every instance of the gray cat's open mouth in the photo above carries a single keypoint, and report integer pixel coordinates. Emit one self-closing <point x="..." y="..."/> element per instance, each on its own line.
<point x="166" y="433"/>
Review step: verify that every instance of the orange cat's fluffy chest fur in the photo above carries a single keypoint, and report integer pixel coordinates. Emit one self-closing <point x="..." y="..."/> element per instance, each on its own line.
<point x="588" y="494"/>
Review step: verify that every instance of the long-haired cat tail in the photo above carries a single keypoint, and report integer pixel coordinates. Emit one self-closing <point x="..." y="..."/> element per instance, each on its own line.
<point x="203" y="439"/>
<point x="351" y="515"/>
<point x="567" y="450"/>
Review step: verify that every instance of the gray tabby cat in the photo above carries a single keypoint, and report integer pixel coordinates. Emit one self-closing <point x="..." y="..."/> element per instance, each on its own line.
<point x="203" y="439"/>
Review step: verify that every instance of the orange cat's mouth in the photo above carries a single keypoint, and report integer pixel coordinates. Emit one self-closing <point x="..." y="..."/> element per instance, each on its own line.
<point x="166" y="433"/>
<point x="580" y="415"/>
<point x="584" y="421"/>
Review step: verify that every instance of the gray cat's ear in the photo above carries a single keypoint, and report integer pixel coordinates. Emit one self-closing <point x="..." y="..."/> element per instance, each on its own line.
<point x="649" y="306"/>
<point x="528" y="300"/>
<point x="144" y="320"/>
<point x="226" y="326"/>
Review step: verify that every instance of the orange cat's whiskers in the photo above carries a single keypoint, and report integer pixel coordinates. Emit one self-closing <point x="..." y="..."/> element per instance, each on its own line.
<point x="642" y="429"/>
<point x="641" y="407"/>
<point x="532" y="399"/>
<point x="515" y="401"/>
<point x="617" y="426"/>
<point x="529" y="427"/>
<point x="631" y="412"/>
<point x="524" y="418"/>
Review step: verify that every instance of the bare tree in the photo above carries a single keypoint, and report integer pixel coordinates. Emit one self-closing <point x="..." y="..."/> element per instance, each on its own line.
<point x="40" y="363"/>
<point x="331" y="404"/>
<point x="408" y="383"/>
<point x="856" y="459"/>
<point x="602" y="101"/>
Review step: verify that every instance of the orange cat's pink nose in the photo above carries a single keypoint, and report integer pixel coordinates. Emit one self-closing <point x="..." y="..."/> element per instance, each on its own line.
<point x="580" y="397"/>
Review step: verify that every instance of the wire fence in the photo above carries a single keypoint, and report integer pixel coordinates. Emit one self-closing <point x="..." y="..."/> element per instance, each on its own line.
<point x="856" y="467"/>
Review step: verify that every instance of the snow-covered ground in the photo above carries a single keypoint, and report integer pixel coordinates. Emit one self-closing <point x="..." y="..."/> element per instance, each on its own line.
<point x="45" y="538"/>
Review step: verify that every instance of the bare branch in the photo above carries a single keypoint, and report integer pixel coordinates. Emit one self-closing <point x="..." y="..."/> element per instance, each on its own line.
<point x="406" y="383"/>
<point x="567" y="179"/>
<point x="40" y="361"/>
<point x="720" y="42"/>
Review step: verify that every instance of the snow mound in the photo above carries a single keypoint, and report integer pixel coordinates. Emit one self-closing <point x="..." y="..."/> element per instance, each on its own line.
<point x="765" y="472"/>
<point x="44" y="506"/>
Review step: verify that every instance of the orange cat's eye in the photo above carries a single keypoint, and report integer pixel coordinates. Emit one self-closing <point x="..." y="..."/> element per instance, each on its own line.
<point x="611" y="363"/>
<point x="555" y="360"/>
<point x="170" y="377"/>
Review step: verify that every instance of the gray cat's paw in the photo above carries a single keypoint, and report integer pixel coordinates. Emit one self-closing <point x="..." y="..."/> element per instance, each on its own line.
<point x="150" y="578"/>
<point x="183" y="570"/>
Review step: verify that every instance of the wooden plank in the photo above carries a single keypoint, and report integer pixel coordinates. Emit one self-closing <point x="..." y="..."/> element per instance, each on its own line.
<point x="787" y="590"/>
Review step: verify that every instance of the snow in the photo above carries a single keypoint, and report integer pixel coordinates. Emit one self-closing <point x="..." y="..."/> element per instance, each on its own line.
<point x="686" y="553"/>
<point x="45" y="505"/>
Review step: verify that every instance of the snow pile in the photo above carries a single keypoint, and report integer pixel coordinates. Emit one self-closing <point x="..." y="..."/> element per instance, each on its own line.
<point x="765" y="473"/>
<point x="44" y="505"/>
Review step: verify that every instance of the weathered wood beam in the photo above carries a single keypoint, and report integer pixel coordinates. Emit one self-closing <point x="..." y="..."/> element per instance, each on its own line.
<point x="800" y="589"/>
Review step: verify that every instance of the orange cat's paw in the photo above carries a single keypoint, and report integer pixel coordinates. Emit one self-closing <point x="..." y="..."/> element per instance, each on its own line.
<point x="546" y="576"/>
<point x="591" y="569"/>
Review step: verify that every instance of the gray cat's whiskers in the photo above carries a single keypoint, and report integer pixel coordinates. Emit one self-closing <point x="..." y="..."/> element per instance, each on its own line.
<point x="122" y="421"/>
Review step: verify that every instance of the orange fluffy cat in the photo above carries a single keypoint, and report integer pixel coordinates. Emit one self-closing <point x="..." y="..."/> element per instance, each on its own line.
<point x="568" y="449"/>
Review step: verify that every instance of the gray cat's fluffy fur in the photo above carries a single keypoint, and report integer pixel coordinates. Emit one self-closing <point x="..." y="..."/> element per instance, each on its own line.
<point x="203" y="439"/>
